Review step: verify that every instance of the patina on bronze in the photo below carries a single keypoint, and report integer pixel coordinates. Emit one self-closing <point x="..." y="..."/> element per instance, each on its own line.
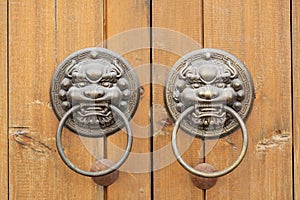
<point x="209" y="93"/>
<point x="209" y="79"/>
<point x="95" y="78"/>
<point x="94" y="92"/>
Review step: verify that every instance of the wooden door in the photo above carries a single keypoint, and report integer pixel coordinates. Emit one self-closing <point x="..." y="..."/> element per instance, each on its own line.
<point x="36" y="35"/>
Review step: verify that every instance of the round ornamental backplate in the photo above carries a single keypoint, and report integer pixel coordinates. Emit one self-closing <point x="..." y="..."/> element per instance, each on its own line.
<point x="94" y="78"/>
<point x="208" y="79"/>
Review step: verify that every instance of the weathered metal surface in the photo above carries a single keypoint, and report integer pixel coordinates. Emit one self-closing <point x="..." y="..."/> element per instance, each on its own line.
<point x="208" y="79"/>
<point x="94" y="78"/>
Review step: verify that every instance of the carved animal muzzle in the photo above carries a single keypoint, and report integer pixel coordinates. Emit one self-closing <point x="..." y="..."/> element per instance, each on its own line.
<point x="207" y="87"/>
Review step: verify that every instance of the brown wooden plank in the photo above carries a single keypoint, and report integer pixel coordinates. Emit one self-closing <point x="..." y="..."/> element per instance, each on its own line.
<point x="3" y="101"/>
<point x="183" y="20"/>
<point x="80" y="25"/>
<point x="42" y="33"/>
<point x="126" y="15"/>
<point x="296" y="93"/>
<point x="32" y="58"/>
<point x="257" y="32"/>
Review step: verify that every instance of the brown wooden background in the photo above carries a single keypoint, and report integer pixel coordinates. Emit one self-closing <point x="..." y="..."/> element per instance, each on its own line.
<point x="36" y="35"/>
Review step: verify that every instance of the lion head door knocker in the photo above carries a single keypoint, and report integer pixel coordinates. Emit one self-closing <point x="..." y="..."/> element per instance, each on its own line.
<point x="94" y="92"/>
<point x="209" y="93"/>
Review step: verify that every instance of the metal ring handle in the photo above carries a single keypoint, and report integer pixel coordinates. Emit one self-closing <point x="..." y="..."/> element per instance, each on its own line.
<point x="88" y="173"/>
<point x="212" y="174"/>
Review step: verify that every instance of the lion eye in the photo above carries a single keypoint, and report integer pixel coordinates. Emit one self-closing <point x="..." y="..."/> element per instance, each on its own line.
<point x="106" y="84"/>
<point x="196" y="85"/>
<point x="81" y="84"/>
<point x="226" y="73"/>
<point x="220" y="85"/>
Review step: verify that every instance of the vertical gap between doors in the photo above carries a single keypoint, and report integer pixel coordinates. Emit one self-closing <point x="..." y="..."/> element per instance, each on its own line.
<point x="202" y="43"/>
<point x="7" y="94"/>
<point x="104" y="42"/>
<point x="151" y="102"/>
<point x="292" y="97"/>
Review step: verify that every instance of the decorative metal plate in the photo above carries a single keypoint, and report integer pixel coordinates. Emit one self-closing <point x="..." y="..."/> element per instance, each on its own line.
<point x="94" y="78"/>
<point x="208" y="79"/>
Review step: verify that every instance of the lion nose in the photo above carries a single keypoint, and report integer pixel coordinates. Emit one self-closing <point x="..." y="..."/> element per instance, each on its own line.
<point x="94" y="94"/>
<point x="207" y="94"/>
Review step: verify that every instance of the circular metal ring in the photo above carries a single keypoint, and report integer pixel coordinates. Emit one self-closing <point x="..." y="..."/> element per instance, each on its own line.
<point x="212" y="174"/>
<point x="88" y="173"/>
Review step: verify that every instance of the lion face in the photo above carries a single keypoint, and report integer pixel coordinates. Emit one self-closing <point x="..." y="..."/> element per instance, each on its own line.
<point x="208" y="87"/>
<point x="95" y="85"/>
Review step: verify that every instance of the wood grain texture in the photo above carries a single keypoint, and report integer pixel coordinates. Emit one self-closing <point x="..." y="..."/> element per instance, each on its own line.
<point x="80" y="24"/>
<point x="258" y="33"/>
<point x="42" y="34"/>
<point x="296" y="93"/>
<point x="3" y="101"/>
<point x="123" y="16"/>
<point x="182" y="19"/>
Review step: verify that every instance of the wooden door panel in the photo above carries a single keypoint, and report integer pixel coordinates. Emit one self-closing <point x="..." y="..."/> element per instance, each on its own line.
<point x="42" y="34"/>
<point x="296" y="93"/>
<point x="37" y="35"/>
<point x="133" y="16"/>
<point x="79" y="24"/>
<point x="31" y="53"/>
<point x="258" y="33"/>
<point x="172" y="181"/>
<point x="3" y="101"/>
